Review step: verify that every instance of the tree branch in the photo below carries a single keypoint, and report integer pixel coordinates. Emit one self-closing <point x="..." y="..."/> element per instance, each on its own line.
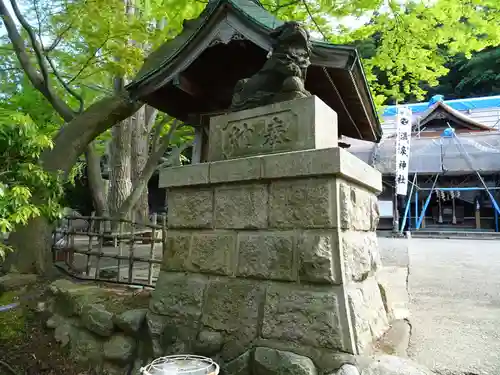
<point x="65" y="85"/>
<point x="157" y="131"/>
<point x="145" y="176"/>
<point x="84" y="128"/>
<point x="58" y="39"/>
<point x="34" y="42"/>
<point x="38" y="18"/>
<point x="11" y="69"/>
<point x="19" y="46"/>
<point x="151" y="114"/>
<point x="89" y="60"/>
<point x="39" y="80"/>
<point x="176" y="153"/>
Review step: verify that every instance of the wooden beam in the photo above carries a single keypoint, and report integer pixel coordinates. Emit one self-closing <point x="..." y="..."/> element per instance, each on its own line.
<point x="186" y="85"/>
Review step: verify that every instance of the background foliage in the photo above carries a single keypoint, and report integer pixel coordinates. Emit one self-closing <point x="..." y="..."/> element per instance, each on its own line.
<point x="26" y="190"/>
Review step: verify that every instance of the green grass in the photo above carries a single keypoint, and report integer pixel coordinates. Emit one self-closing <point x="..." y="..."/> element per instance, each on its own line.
<point x="12" y="322"/>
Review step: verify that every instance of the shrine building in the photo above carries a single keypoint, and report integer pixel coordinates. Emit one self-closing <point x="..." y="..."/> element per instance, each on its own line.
<point x="454" y="159"/>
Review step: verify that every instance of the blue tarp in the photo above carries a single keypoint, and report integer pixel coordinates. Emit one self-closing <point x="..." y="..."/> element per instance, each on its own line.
<point x="457" y="104"/>
<point x="435" y="99"/>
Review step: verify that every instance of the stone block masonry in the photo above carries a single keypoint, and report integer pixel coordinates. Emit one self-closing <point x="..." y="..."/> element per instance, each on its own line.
<point x="280" y="258"/>
<point x="274" y="246"/>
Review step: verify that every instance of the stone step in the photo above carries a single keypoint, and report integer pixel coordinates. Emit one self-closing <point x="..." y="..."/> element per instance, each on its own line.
<point x="456" y="235"/>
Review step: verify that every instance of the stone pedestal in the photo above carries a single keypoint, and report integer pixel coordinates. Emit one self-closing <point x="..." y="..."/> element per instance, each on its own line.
<point x="300" y="124"/>
<point x="277" y="250"/>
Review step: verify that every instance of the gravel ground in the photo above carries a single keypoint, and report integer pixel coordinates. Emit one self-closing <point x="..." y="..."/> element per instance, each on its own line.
<point x="455" y="302"/>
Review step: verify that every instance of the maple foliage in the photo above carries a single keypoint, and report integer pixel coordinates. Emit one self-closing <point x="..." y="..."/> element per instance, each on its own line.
<point x="417" y="40"/>
<point x="412" y="40"/>
<point x="26" y="190"/>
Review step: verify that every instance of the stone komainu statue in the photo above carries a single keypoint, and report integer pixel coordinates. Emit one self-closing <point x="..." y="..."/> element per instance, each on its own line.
<point x="283" y="75"/>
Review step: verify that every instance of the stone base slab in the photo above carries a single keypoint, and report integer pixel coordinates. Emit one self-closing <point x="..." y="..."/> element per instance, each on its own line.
<point x="332" y="161"/>
<point x="316" y="203"/>
<point x="393" y="284"/>
<point x="396" y="340"/>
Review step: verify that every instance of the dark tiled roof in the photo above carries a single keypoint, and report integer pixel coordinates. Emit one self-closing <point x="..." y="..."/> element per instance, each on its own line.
<point x="253" y="11"/>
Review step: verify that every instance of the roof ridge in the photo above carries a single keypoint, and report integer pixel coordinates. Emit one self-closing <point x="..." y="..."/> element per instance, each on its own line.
<point x="446" y="101"/>
<point x="453" y="113"/>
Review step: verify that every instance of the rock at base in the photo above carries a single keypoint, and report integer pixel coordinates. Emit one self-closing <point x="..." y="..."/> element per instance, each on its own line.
<point x="64" y="333"/>
<point x="12" y="281"/>
<point x="70" y="297"/>
<point x="98" y="320"/>
<point x="54" y="321"/>
<point x="156" y="326"/>
<point x="327" y="360"/>
<point x="209" y="342"/>
<point x="239" y="365"/>
<point x="396" y="339"/>
<point x="131" y="321"/>
<point x="113" y="369"/>
<point x="119" y="348"/>
<point x="86" y="348"/>
<point x="275" y="362"/>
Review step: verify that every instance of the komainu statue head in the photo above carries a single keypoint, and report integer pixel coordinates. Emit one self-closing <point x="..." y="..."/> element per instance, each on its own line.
<point x="283" y="75"/>
<point x="292" y="36"/>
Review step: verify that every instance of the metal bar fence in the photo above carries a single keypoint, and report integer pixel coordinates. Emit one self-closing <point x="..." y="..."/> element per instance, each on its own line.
<point x="99" y="242"/>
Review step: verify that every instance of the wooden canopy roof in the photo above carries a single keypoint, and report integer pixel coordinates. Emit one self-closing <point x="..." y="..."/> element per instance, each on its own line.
<point x="194" y="74"/>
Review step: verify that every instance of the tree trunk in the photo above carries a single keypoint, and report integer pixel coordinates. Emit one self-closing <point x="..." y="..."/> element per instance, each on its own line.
<point x="140" y="154"/>
<point x="32" y="245"/>
<point x="120" y="148"/>
<point x="32" y="242"/>
<point x="96" y="182"/>
<point x="120" y="184"/>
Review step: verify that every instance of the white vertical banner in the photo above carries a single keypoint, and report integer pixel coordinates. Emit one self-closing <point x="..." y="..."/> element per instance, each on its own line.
<point x="403" y="134"/>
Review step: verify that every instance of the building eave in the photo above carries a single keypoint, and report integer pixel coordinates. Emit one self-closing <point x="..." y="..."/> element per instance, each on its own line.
<point x="341" y="65"/>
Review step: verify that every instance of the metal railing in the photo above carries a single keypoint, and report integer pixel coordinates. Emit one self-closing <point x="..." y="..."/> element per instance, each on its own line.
<point x="110" y="249"/>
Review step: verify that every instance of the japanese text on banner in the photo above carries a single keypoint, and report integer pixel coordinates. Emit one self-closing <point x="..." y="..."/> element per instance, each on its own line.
<point x="403" y="134"/>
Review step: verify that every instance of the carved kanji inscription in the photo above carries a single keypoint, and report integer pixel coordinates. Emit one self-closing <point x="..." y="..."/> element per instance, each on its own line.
<point x="274" y="132"/>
